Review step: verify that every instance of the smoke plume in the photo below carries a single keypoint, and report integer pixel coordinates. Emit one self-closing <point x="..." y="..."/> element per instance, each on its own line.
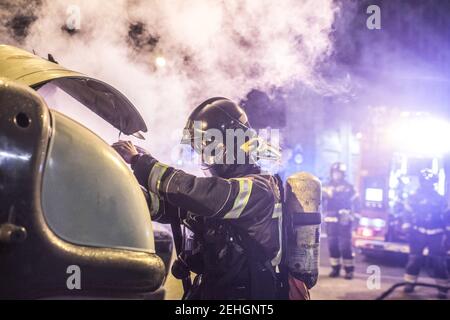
<point x="205" y="48"/>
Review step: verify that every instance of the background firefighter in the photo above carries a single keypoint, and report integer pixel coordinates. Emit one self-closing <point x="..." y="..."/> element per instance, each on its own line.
<point x="426" y="223"/>
<point x="340" y="203"/>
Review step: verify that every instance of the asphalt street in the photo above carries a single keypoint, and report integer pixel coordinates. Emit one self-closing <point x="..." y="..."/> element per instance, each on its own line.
<point x="365" y="286"/>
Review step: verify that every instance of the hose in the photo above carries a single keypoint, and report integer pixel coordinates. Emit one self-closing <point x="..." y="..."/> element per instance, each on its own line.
<point x="418" y="284"/>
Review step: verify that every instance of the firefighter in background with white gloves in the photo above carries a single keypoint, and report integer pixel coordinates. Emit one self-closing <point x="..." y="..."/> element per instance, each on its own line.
<point x="340" y="205"/>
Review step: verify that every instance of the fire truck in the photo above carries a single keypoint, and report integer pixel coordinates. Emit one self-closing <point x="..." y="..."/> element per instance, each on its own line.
<point x="392" y="157"/>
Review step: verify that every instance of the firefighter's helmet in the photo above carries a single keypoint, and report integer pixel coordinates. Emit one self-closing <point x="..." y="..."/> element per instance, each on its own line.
<point x="211" y="119"/>
<point x="215" y="113"/>
<point x="338" y="167"/>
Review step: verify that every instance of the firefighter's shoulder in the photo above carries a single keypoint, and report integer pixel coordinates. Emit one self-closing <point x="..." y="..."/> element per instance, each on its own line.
<point x="263" y="186"/>
<point x="255" y="194"/>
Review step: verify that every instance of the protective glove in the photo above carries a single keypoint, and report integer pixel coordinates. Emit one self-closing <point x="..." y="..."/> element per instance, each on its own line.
<point x="126" y="150"/>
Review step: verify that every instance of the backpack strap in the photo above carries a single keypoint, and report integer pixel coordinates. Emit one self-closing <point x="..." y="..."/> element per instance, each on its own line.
<point x="283" y="271"/>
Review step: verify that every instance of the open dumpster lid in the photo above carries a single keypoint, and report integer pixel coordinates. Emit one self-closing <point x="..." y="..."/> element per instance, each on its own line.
<point x="100" y="97"/>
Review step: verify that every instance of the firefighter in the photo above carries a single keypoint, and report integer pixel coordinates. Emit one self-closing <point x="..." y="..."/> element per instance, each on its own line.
<point x="236" y="241"/>
<point x="340" y="204"/>
<point x="425" y="223"/>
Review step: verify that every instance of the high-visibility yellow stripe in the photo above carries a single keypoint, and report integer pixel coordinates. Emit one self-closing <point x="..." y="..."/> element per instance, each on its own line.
<point x="154" y="205"/>
<point x="411" y="278"/>
<point x="245" y="189"/>
<point x="154" y="178"/>
<point x="348" y="262"/>
<point x="335" y="262"/>
<point x="430" y="232"/>
<point x="331" y="219"/>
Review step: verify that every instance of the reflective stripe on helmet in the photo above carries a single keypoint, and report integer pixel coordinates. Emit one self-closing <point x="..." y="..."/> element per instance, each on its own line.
<point x="339" y="166"/>
<point x="245" y="189"/>
<point x="154" y="178"/>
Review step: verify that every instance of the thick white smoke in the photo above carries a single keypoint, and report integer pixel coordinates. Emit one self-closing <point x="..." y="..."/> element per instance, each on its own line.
<point x="211" y="47"/>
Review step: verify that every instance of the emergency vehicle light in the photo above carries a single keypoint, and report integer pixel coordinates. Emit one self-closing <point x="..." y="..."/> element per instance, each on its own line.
<point x="421" y="135"/>
<point x="374" y="194"/>
<point x="376" y="223"/>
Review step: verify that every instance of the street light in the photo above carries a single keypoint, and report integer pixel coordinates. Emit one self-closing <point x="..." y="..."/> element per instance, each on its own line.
<point x="160" y="62"/>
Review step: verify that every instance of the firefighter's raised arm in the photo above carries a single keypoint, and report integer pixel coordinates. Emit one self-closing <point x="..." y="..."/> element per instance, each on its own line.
<point x="207" y="196"/>
<point x="237" y="205"/>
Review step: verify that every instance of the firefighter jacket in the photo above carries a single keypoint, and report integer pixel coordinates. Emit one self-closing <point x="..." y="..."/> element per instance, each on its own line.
<point x="235" y="221"/>
<point x="426" y="211"/>
<point x="339" y="196"/>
